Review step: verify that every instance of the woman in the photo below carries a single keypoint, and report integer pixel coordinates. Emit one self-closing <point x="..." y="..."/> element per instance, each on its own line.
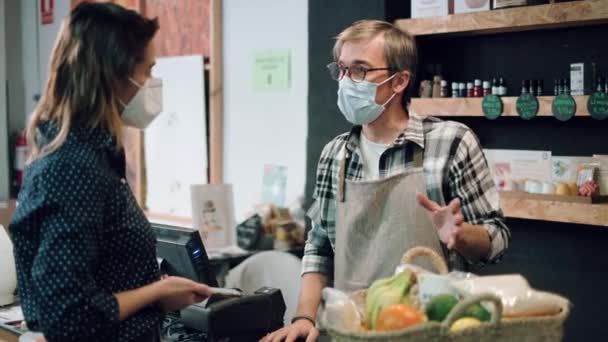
<point x="84" y="251"/>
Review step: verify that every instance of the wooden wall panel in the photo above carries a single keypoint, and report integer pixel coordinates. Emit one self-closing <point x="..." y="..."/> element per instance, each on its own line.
<point x="184" y="26"/>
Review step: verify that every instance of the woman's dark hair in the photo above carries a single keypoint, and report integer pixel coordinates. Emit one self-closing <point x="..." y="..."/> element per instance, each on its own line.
<point x="99" y="44"/>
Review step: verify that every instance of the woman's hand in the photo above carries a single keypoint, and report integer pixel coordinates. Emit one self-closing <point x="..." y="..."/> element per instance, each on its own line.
<point x="177" y="293"/>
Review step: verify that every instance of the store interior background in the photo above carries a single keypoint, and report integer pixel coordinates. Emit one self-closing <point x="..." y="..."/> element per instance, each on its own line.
<point x="290" y="128"/>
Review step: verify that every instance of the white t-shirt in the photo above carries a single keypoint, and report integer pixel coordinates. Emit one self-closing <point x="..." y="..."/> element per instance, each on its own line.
<point x="370" y="153"/>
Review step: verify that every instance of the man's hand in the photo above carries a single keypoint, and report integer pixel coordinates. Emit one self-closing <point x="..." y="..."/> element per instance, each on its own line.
<point x="472" y="241"/>
<point x="300" y="328"/>
<point x="448" y="220"/>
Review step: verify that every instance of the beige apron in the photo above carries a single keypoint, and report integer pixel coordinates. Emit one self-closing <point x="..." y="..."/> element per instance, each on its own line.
<point x="376" y="222"/>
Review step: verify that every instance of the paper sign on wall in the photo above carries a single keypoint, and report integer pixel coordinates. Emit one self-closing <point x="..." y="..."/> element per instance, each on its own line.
<point x="271" y="70"/>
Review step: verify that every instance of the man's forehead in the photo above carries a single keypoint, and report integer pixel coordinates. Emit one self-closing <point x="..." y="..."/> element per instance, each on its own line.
<point x="368" y="51"/>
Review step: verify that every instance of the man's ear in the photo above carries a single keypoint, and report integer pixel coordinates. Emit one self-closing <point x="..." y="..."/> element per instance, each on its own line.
<point x="401" y="81"/>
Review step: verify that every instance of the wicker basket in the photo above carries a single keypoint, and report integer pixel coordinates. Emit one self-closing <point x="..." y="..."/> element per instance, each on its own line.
<point x="528" y="329"/>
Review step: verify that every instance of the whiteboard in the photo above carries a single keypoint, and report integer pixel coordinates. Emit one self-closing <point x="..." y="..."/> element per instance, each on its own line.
<point x="176" y="143"/>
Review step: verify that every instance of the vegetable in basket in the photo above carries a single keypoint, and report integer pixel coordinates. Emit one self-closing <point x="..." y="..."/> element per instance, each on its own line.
<point x="386" y="292"/>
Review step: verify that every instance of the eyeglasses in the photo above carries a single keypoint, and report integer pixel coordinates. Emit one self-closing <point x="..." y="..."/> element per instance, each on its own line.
<point x="356" y="72"/>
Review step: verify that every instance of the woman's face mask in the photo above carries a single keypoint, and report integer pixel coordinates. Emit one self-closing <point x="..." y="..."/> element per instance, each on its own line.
<point x="357" y="100"/>
<point x="145" y="106"/>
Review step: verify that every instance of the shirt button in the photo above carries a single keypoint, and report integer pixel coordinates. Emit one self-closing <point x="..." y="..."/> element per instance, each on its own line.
<point x="124" y="181"/>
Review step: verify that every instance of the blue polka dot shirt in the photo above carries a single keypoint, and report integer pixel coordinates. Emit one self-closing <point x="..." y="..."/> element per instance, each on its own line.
<point x="79" y="237"/>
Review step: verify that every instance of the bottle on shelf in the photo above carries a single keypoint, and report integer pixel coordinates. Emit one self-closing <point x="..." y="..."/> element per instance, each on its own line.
<point x="470" y="89"/>
<point x="539" y="88"/>
<point x="436" y="87"/>
<point x="462" y="90"/>
<point x="532" y="88"/>
<point x="524" y="87"/>
<point x="444" y="88"/>
<point x="477" y="91"/>
<point x="599" y="85"/>
<point x="486" y="89"/>
<point x="455" y="92"/>
<point x="566" y="87"/>
<point x="494" y="86"/>
<point x="557" y="87"/>
<point x="502" y="87"/>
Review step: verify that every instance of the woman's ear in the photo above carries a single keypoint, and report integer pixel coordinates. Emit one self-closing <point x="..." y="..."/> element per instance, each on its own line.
<point x="401" y="81"/>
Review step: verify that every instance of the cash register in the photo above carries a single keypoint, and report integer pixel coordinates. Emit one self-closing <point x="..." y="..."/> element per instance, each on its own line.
<point x="225" y="316"/>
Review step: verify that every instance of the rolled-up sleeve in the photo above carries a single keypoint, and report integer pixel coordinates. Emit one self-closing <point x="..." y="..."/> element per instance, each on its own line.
<point x="72" y="306"/>
<point x="471" y="181"/>
<point x="319" y="253"/>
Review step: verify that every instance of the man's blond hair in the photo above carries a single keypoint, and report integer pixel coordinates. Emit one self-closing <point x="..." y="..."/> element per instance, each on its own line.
<point x="399" y="47"/>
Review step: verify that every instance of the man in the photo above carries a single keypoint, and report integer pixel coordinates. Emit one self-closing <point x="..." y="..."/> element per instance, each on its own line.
<point x="370" y="202"/>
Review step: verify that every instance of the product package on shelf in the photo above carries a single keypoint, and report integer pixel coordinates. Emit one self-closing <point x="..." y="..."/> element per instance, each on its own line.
<point x="431" y="8"/>
<point x="602" y="173"/>
<point x="467" y="6"/>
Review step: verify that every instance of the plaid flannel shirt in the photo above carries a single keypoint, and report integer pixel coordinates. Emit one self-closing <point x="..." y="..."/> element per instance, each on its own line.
<point x="454" y="167"/>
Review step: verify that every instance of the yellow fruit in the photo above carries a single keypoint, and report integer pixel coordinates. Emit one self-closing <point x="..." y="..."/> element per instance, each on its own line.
<point x="465" y="323"/>
<point x="562" y="189"/>
<point x="573" y="189"/>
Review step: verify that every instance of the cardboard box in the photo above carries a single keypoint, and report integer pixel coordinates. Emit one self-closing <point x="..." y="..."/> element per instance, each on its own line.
<point x="6" y="212"/>
<point x="468" y="6"/>
<point x="430" y="8"/>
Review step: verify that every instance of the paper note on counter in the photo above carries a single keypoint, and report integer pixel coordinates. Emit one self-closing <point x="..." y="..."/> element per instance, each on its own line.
<point x="11" y="314"/>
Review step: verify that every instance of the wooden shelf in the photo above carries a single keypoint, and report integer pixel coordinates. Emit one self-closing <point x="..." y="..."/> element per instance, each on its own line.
<point x="471" y="106"/>
<point x="567" y="14"/>
<point x="554" y="211"/>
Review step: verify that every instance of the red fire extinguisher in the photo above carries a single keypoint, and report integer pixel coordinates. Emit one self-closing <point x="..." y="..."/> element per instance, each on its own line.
<point x="21" y="152"/>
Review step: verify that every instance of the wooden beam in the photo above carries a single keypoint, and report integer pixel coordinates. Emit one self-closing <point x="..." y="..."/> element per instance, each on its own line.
<point x="471" y="106"/>
<point x="216" y="100"/>
<point x="566" y="14"/>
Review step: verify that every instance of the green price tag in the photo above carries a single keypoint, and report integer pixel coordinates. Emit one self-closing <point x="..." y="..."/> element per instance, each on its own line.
<point x="492" y="106"/>
<point x="563" y="107"/>
<point x="527" y="106"/>
<point x="598" y="105"/>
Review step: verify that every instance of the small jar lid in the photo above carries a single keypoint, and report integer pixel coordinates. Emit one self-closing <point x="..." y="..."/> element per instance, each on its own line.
<point x="444" y="83"/>
<point x="469" y="85"/>
<point x="486" y="84"/>
<point x="477" y="82"/>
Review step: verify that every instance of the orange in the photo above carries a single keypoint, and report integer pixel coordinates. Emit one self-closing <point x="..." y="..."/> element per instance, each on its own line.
<point x="398" y="316"/>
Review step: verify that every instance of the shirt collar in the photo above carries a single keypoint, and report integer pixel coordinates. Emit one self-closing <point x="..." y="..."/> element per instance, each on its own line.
<point x="96" y="137"/>
<point x="414" y="132"/>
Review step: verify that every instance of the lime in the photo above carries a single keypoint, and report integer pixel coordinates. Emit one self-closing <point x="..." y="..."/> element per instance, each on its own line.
<point x="440" y="306"/>
<point x="478" y="311"/>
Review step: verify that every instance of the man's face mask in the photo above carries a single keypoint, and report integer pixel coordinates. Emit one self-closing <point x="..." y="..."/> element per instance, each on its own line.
<point x="357" y="100"/>
<point x="145" y="106"/>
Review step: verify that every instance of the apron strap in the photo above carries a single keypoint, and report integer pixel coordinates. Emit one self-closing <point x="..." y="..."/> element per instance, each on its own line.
<point x="418" y="155"/>
<point x="342" y="175"/>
